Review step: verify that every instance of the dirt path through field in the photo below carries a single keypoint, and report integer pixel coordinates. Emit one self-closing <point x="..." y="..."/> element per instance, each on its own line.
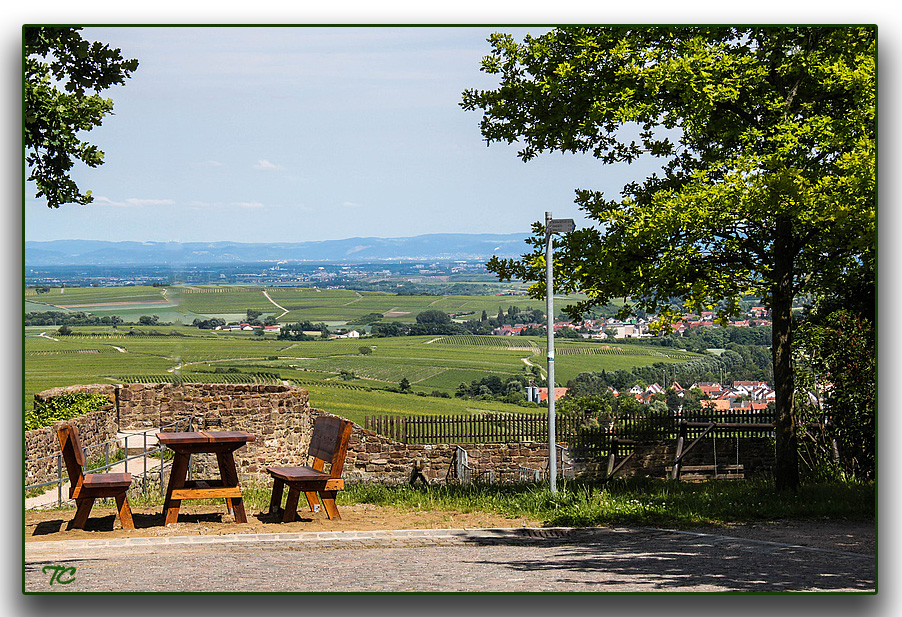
<point x="285" y="310"/>
<point x="531" y="364"/>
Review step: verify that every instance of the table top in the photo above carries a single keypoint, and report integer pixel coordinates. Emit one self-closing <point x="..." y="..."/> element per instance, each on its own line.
<point x="205" y="437"/>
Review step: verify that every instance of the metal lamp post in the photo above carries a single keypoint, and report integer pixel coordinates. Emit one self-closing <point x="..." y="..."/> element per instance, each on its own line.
<point x="552" y="226"/>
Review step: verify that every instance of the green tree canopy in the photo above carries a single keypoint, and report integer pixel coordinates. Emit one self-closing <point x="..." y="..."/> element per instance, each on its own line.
<point x="63" y="77"/>
<point x="766" y="142"/>
<point x="433" y="316"/>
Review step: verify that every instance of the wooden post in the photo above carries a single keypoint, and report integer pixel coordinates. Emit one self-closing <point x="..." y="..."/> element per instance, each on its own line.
<point x="679" y="450"/>
<point x="611" y="457"/>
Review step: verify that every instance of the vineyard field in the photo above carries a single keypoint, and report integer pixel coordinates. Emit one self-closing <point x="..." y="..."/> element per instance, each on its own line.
<point x="335" y="370"/>
<point x="428" y="363"/>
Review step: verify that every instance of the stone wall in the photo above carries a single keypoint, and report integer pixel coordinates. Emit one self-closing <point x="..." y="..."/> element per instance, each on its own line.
<point x="145" y="405"/>
<point x="278" y="416"/>
<point x="281" y="418"/>
<point x="42" y="446"/>
<point x="372" y="457"/>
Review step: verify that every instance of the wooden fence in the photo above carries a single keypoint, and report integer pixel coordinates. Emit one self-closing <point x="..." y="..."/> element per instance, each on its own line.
<point x="483" y="428"/>
<point x="503" y="428"/>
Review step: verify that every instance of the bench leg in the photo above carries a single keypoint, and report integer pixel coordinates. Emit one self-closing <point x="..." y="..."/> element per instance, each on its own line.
<point x="81" y="514"/>
<point x="275" y="501"/>
<point x="328" y="499"/>
<point x="291" y="505"/>
<point x="125" y="512"/>
<point x="312" y="500"/>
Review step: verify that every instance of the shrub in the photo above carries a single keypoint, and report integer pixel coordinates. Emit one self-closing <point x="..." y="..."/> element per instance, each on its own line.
<point x="63" y="407"/>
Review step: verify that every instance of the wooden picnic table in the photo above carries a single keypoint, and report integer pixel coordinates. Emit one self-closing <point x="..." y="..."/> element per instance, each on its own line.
<point x="221" y="443"/>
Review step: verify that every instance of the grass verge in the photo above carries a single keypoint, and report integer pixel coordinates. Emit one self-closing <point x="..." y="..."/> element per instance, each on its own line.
<point x="633" y="501"/>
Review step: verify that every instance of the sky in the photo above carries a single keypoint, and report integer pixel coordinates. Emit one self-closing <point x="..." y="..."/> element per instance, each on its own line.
<point x="293" y="134"/>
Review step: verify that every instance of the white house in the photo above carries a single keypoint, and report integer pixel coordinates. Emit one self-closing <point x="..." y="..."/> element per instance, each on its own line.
<point x="351" y="334"/>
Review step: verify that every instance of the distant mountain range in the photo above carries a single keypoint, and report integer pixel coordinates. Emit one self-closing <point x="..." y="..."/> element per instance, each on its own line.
<point x="431" y="247"/>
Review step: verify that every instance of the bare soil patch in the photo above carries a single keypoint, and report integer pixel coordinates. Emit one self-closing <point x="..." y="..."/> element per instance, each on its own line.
<point x="49" y="525"/>
<point x="46" y="525"/>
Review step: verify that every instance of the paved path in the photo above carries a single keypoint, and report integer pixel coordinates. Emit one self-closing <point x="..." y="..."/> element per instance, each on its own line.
<point x="455" y="560"/>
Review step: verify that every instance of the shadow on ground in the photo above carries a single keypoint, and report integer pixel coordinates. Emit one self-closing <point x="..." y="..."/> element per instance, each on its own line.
<point x="668" y="560"/>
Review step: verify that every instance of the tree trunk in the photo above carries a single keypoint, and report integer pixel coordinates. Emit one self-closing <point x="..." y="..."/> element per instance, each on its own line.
<point x="786" y="464"/>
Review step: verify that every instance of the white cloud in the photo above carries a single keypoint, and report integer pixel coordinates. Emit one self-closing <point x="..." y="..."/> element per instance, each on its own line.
<point x="105" y="201"/>
<point x="198" y="205"/>
<point x="264" y="165"/>
<point x="132" y="202"/>
<point x="351" y="204"/>
<point x="247" y="204"/>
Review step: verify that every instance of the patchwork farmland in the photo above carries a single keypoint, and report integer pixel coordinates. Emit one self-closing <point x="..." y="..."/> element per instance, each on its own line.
<point x="340" y="378"/>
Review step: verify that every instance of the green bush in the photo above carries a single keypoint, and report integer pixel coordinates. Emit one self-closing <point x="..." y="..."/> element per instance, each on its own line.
<point x="63" y="407"/>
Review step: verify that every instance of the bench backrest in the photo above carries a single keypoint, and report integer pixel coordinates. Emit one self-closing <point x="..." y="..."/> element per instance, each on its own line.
<point x="73" y="453"/>
<point x="329" y="443"/>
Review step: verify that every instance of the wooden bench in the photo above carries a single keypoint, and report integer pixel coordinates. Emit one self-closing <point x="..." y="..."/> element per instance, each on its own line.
<point x="328" y="444"/>
<point x="85" y="488"/>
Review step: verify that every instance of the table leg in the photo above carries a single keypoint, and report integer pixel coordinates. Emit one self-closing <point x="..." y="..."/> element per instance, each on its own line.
<point x="176" y="481"/>
<point x="229" y="474"/>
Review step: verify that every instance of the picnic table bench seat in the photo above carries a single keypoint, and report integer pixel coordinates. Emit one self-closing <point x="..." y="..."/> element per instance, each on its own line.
<point x="85" y="488"/>
<point x="307" y="474"/>
<point x="328" y="444"/>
